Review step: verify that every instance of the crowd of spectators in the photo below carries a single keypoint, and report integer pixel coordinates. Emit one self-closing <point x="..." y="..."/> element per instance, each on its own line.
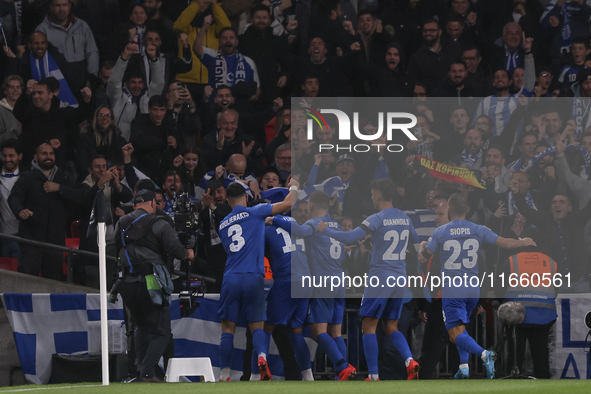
<point x="195" y="95"/>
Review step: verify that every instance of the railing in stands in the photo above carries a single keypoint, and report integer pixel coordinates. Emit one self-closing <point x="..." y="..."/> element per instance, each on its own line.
<point x="72" y="251"/>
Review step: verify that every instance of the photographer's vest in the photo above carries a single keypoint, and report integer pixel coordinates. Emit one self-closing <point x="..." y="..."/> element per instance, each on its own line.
<point x="138" y="232"/>
<point x="538" y="300"/>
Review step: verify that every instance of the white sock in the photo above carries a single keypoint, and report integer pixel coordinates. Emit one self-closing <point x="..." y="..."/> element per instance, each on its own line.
<point x="307" y="375"/>
<point x="374" y="376"/>
<point x="483" y="355"/>
<point x="463" y="366"/>
<point x="407" y="362"/>
<point x="263" y="355"/>
<point x="255" y="377"/>
<point x="225" y="374"/>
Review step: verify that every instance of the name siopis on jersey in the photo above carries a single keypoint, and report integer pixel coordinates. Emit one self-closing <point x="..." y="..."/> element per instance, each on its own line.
<point x="459" y="231"/>
<point x="233" y="218"/>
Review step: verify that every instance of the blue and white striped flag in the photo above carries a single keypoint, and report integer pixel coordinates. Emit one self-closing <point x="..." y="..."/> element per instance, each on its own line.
<point x="47" y="67"/>
<point x="46" y="324"/>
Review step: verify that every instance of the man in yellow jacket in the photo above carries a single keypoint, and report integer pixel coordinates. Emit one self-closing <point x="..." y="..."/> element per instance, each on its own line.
<point x="190" y="22"/>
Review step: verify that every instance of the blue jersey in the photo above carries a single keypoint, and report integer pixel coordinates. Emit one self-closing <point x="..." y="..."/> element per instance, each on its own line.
<point x="390" y="231"/>
<point x="299" y="260"/>
<point x="243" y="235"/>
<point x="278" y="249"/>
<point x="568" y="75"/>
<point x="325" y="254"/>
<point x="228" y="70"/>
<point x="458" y="243"/>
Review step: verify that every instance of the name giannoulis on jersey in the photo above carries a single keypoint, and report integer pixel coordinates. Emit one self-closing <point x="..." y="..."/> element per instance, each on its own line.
<point x="459" y="231"/>
<point x="395" y="222"/>
<point x="233" y="218"/>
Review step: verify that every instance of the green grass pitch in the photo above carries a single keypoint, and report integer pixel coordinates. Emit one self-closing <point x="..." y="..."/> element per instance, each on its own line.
<point x="320" y="387"/>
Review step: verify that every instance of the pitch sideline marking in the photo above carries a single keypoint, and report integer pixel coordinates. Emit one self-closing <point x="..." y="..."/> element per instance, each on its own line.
<point x="49" y="388"/>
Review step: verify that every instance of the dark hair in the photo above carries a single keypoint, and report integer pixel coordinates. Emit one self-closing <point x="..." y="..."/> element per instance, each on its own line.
<point x="471" y="48"/>
<point x="215" y="184"/>
<point x="259" y="7"/>
<point x="585" y="134"/>
<point x="171" y="173"/>
<point x="235" y="191"/>
<point x="145" y="184"/>
<point x="326" y="7"/>
<point x="526" y="134"/>
<point x="132" y="7"/>
<point x="53" y="85"/>
<point x="582" y="40"/>
<point x="454" y="17"/>
<point x="386" y="187"/>
<point x="157" y="101"/>
<point x="274" y="171"/>
<point x="96" y="157"/>
<point x="107" y="65"/>
<point x="365" y="11"/>
<point x="225" y="29"/>
<point x="320" y="200"/>
<point x="457" y="61"/>
<point x="223" y="87"/>
<point x="133" y="74"/>
<point x="151" y="29"/>
<point x="487" y="117"/>
<point x="458" y="204"/>
<point x="442" y="196"/>
<point x="431" y="20"/>
<point x="509" y="74"/>
<point x="497" y="147"/>
<point x="12" y="144"/>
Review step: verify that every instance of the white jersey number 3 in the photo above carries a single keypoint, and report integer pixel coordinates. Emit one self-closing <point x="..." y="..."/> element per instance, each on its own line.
<point x="235" y="233"/>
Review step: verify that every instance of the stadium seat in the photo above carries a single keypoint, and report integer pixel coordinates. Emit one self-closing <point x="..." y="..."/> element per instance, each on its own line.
<point x="8" y="263"/>
<point x="199" y="366"/>
<point x="75" y="229"/>
<point x="73" y="243"/>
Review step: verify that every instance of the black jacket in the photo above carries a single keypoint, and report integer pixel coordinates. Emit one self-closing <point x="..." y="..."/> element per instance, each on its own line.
<point x="150" y="143"/>
<point x="264" y="49"/>
<point x="39" y="126"/>
<point x="215" y="157"/>
<point x="48" y="223"/>
<point x="573" y="224"/>
<point x="430" y="68"/>
<point x="87" y="150"/>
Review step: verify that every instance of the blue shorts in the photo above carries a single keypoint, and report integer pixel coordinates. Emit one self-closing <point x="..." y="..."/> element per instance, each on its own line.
<point x="243" y="294"/>
<point x="282" y="309"/>
<point x="383" y="308"/>
<point x="457" y="311"/>
<point x="326" y="310"/>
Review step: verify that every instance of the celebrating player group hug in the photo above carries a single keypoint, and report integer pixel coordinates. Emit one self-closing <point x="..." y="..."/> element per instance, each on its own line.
<point x="317" y="248"/>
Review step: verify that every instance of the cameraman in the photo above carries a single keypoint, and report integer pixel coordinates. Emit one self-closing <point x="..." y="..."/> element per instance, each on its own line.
<point x="143" y="241"/>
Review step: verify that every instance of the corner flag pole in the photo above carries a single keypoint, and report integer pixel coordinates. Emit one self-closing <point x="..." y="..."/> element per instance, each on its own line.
<point x="101" y="215"/>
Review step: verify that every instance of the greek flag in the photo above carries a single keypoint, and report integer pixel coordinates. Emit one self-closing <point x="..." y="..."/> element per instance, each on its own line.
<point x="47" y="67"/>
<point x="46" y="324"/>
<point x="423" y="221"/>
